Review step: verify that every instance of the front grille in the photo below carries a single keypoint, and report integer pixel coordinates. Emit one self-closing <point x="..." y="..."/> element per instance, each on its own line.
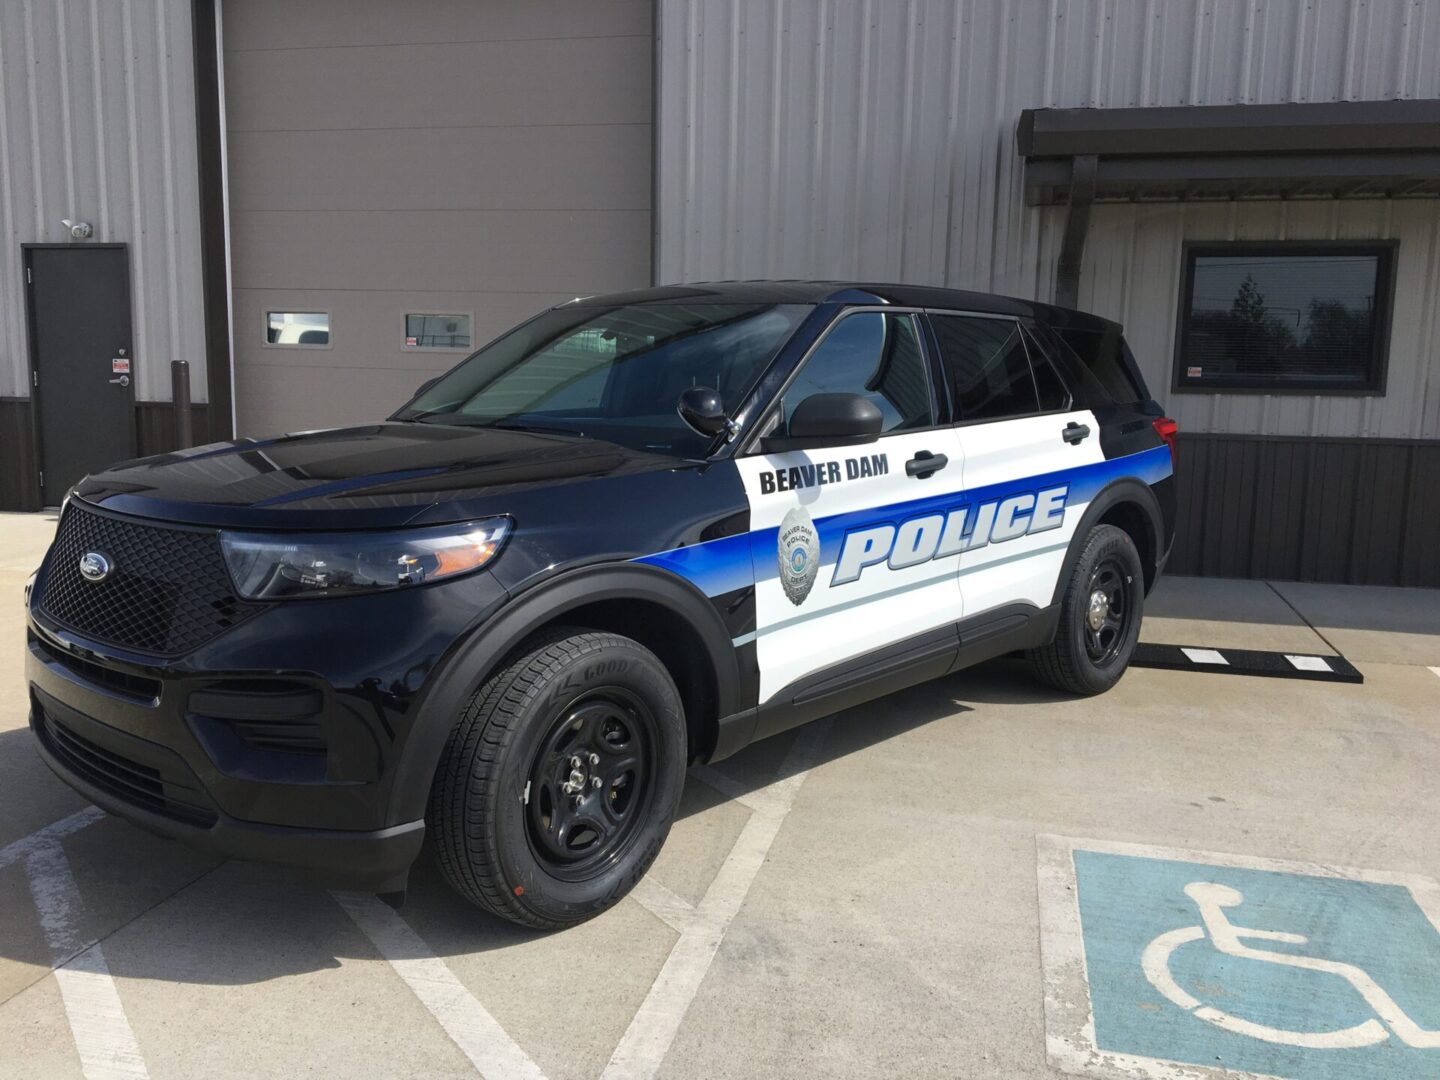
<point x="135" y="687"/>
<point x="129" y="780"/>
<point x="168" y="591"/>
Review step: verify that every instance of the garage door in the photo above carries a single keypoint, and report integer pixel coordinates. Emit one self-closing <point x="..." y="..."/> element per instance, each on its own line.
<point x="409" y="180"/>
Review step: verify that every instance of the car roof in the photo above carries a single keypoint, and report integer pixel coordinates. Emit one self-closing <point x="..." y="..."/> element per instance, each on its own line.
<point x="845" y="292"/>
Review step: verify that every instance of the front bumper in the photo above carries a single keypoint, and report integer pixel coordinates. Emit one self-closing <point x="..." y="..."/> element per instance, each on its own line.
<point x="91" y="754"/>
<point x="280" y="741"/>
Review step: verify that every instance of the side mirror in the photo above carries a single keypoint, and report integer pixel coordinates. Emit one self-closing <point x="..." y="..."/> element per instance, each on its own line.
<point x="828" y="420"/>
<point x="702" y="408"/>
<point x="426" y="385"/>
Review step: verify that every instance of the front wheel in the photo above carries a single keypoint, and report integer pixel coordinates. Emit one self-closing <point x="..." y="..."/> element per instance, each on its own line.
<point x="560" y="780"/>
<point x="1100" y="614"/>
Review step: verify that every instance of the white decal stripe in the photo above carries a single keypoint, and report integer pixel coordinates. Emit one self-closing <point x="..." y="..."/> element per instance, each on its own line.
<point x="464" y="1019"/>
<point x="103" y="1038"/>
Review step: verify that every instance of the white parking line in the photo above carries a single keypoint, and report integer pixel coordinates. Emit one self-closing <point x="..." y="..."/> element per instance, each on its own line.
<point x="651" y="1033"/>
<point x="55" y="831"/>
<point x="103" y="1038"/>
<point x="1435" y="671"/>
<point x="464" y="1019"/>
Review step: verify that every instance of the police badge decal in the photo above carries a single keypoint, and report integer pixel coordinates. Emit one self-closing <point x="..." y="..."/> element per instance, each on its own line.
<point x="799" y="553"/>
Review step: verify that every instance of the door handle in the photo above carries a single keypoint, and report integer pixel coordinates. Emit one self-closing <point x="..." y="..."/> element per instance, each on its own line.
<point x="1075" y="433"/>
<point x="123" y="380"/>
<point x="925" y="464"/>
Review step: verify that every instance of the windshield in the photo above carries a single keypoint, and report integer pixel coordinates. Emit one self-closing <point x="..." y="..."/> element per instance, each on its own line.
<point x="612" y="373"/>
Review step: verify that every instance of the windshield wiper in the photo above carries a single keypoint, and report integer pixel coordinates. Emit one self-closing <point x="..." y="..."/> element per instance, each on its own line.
<point x="506" y="425"/>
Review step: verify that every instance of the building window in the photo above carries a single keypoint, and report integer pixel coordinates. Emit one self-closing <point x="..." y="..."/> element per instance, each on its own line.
<point x="437" y="331"/>
<point x="1285" y="317"/>
<point x="300" y="329"/>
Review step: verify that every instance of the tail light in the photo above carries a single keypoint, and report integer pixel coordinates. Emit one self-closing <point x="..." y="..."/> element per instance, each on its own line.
<point x="1168" y="430"/>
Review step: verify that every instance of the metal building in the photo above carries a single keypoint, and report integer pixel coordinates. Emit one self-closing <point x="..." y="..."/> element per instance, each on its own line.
<point x="324" y="204"/>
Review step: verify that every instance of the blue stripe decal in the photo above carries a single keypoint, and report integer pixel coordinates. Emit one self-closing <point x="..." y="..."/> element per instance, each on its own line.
<point x="721" y="566"/>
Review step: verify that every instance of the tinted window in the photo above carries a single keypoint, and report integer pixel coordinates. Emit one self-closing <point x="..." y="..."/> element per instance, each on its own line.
<point x="986" y="363"/>
<point x="1052" y="392"/>
<point x="612" y="373"/>
<point x="876" y="356"/>
<point x="1107" y="357"/>
<point x="1296" y="317"/>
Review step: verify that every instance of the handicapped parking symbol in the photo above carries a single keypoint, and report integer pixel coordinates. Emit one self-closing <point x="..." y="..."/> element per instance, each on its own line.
<point x="1171" y="963"/>
<point x="1212" y="900"/>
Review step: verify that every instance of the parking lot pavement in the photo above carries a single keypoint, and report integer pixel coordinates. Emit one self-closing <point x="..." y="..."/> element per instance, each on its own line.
<point x="857" y="898"/>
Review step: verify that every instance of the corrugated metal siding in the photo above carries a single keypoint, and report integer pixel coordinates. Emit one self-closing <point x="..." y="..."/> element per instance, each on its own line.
<point x="97" y="124"/>
<point x="1303" y="509"/>
<point x="876" y="139"/>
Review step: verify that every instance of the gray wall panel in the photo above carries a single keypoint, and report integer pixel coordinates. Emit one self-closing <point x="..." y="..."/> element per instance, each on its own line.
<point x="597" y="167"/>
<point x="97" y="123"/>
<point x="285" y="24"/>
<point x="855" y="138"/>
<point x="461" y="84"/>
<point x="487" y="159"/>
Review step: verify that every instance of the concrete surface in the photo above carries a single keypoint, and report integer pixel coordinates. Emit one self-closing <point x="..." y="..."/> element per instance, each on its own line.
<point x="857" y="899"/>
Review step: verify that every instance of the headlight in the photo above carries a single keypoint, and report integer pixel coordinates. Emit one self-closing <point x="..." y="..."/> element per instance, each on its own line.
<point x="270" y="566"/>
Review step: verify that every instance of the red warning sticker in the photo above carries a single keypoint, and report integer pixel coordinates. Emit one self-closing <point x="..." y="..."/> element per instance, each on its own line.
<point x="120" y="365"/>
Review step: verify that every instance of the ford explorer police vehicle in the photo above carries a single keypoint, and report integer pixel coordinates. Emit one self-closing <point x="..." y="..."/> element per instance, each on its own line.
<point x="635" y="532"/>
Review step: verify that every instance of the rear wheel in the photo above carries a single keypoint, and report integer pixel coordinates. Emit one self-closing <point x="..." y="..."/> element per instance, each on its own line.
<point x="560" y="780"/>
<point x="1100" y="613"/>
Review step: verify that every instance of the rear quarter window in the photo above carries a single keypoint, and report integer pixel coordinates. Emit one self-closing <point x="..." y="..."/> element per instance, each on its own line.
<point x="1108" y="358"/>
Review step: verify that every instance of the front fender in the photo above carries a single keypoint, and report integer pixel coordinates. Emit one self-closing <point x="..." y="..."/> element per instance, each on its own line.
<point x="476" y="656"/>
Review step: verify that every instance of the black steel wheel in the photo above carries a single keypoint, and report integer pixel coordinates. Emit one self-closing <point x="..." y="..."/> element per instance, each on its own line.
<point x="1100" y="611"/>
<point x="560" y="780"/>
<point x="590" y="784"/>
<point x="1109" y="602"/>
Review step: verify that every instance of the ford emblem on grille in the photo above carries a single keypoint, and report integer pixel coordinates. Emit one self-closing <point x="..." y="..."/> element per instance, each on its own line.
<point x="94" y="566"/>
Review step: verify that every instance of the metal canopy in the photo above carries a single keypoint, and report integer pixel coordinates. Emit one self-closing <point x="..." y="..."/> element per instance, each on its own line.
<point x="1348" y="149"/>
<point x="1329" y="150"/>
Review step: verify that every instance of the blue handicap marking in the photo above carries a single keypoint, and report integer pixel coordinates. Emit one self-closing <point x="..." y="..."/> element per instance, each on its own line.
<point x="1256" y="970"/>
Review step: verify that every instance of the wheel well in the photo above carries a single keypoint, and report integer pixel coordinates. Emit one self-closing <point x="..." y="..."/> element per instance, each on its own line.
<point x="1129" y="517"/>
<point x="679" y="648"/>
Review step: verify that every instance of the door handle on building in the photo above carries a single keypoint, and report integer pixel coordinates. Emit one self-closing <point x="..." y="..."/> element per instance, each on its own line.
<point x="1075" y="433"/>
<point x="925" y="463"/>
<point x="123" y="380"/>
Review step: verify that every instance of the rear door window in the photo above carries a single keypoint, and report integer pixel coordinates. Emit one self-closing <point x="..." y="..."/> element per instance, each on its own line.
<point x="988" y="369"/>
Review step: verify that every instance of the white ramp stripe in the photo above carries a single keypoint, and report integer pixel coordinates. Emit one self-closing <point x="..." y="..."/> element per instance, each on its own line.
<point x="1204" y="656"/>
<point x="465" y="1020"/>
<point x="55" y="831"/>
<point x="107" y="1046"/>
<point x="651" y="1033"/>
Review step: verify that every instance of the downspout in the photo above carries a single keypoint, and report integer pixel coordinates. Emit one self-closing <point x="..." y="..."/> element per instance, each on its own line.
<point x="1077" y="224"/>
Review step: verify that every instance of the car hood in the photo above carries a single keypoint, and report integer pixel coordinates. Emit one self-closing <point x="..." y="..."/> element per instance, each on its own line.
<point x="373" y="476"/>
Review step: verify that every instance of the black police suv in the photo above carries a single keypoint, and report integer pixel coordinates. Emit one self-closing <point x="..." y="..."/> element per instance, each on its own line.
<point x="637" y="531"/>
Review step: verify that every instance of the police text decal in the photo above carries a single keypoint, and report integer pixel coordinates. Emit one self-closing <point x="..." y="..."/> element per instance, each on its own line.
<point x="938" y="535"/>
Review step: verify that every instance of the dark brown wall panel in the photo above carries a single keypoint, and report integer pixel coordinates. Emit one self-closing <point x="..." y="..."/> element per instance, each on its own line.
<point x="19" y="473"/>
<point x="155" y="426"/>
<point x="1362" y="511"/>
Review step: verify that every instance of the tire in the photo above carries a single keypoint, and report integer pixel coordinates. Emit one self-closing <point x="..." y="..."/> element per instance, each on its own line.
<point x="1082" y="659"/>
<point x="560" y="780"/>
